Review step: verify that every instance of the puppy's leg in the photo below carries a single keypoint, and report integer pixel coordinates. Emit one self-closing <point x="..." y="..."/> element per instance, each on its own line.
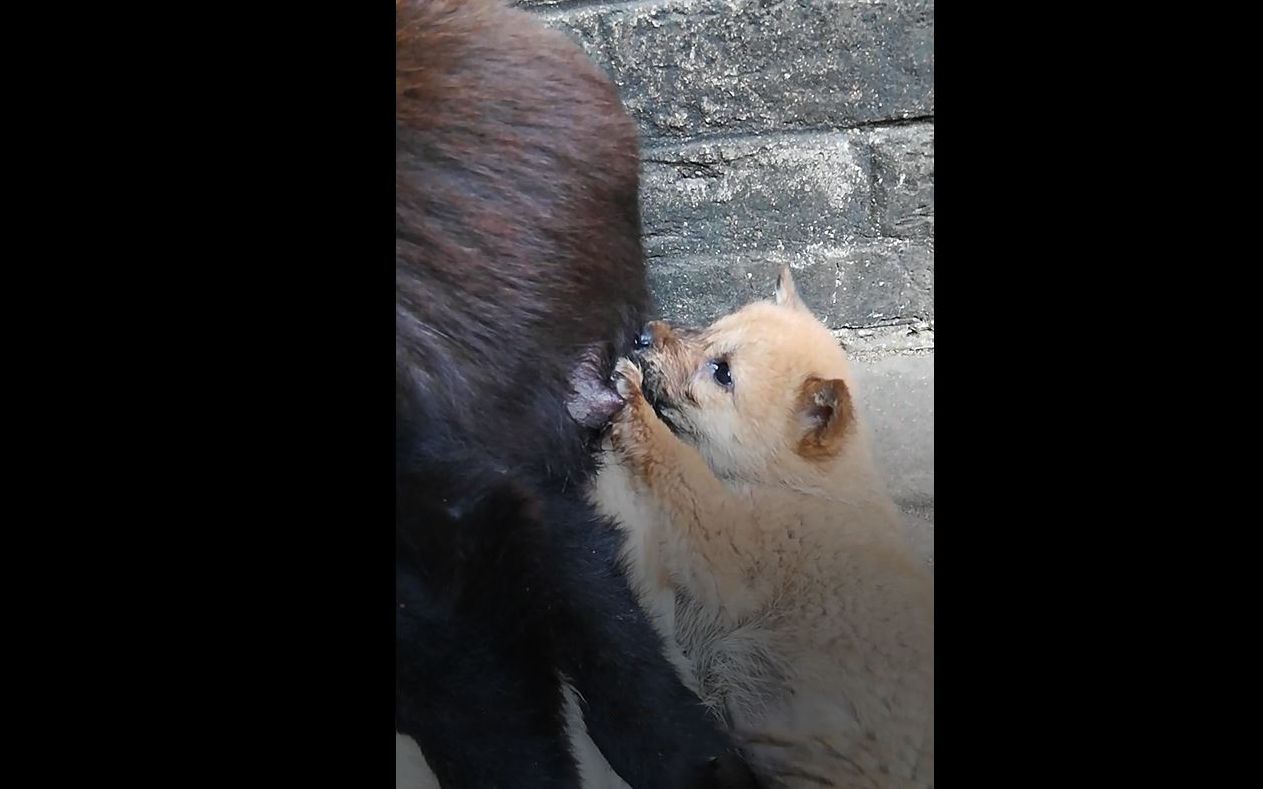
<point x="703" y="523"/>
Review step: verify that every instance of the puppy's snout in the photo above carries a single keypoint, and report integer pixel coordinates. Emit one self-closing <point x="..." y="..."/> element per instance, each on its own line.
<point x="653" y="335"/>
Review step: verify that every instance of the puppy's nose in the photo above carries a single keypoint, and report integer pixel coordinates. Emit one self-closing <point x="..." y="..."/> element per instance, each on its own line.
<point x="653" y="335"/>
<point x="644" y="339"/>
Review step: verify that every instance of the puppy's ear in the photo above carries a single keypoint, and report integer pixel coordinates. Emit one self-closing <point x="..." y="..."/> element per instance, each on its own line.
<point x="825" y="411"/>
<point x="786" y="293"/>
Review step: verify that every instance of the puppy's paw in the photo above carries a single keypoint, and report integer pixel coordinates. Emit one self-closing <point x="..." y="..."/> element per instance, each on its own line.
<point x="630" y="431"/>
<point x="628" y="380"/>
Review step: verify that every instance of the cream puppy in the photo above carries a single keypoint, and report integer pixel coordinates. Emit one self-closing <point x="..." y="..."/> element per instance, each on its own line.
<point x="768" y="549"/>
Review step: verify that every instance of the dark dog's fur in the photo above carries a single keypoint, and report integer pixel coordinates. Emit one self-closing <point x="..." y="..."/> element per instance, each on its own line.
<point x="517" y="252"/>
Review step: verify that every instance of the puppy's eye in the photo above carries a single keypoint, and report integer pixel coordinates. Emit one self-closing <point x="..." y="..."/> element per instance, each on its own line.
<point x="723" y="376"/>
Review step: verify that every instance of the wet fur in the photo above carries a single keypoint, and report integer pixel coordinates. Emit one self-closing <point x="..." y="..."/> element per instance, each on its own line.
<point x="518" y="262"/>
<point x="769" y="551"/>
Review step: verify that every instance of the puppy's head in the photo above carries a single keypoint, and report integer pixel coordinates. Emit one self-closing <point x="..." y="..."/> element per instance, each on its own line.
<point x="760" y="392"/>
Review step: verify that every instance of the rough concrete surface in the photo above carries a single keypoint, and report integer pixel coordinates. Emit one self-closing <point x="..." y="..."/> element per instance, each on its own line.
<point x="896" y="400"/>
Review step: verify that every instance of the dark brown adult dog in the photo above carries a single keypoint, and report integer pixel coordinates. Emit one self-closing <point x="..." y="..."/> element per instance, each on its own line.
<point x="517" y="256"/>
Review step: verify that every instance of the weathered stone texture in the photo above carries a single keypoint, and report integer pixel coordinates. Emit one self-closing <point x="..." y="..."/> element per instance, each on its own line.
<point x="781" y="193"/>
<point x="903" y="180"/>
<point x="868" y="282"/>
<point x="698" y="67"/>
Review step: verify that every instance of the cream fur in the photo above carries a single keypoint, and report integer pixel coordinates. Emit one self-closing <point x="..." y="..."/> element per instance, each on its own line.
<point x="768" y="550"/>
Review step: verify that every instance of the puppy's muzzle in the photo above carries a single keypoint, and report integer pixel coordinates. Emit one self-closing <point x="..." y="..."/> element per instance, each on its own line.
<point x="653" y="336"/>
<point x="657" y="341"/>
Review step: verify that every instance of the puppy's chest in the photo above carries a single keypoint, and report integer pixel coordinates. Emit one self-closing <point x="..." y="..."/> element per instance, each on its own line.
<point x="739" y="669"/>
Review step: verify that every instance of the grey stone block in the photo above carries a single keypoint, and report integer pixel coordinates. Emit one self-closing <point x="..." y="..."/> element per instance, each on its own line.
<point x="692" y="67"/>
<point x="871" y="282"/>
<point x="903" y="179"/>
<point x="783" y="193"/>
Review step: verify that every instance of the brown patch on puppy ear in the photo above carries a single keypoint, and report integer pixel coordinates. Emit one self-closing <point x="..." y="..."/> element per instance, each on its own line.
<point x="825" y="408"/>
<point x="786" y="292"/>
